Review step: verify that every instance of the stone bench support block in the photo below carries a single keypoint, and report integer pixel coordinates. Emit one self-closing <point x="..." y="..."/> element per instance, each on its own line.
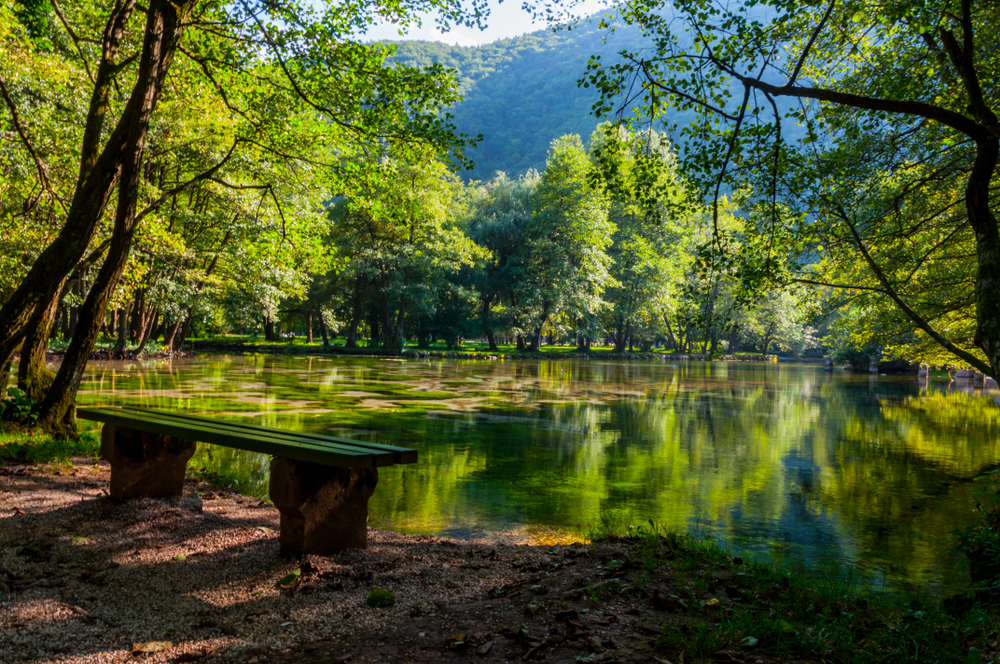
<point x="324" y="509"/>
<point x="145" y="464"/>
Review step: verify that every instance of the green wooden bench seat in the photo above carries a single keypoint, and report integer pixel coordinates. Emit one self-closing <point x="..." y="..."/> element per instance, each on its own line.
<point x="320" y="484"/>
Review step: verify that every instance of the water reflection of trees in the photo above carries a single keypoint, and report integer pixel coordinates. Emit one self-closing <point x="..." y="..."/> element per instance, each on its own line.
<point x="811" y="467"/>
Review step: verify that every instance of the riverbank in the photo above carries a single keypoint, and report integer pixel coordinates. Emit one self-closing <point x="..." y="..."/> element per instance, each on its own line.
<point x="83" y="579"/>
<point x="473" y="353"/>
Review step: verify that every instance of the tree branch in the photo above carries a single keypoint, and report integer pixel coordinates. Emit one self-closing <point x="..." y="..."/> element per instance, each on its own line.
<point x="43" y="173"/>
<point x="809" y="45"/>
<point x="910" y="313"/>
<point x="948" y="118"/>
<point x="170" y="193"/>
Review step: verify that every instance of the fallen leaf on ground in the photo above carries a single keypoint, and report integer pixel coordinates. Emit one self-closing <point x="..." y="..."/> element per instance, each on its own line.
<point x="180" y="557"/>
<point x="152" y="646"/>
<point x="456" y="642"/>
<point x="289" y="579"/>
<point x="79" y="540"/>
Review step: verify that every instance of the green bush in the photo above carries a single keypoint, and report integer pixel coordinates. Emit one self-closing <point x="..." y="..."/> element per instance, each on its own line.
<point x="380" y="598"/>
<point x="18" y="408"/>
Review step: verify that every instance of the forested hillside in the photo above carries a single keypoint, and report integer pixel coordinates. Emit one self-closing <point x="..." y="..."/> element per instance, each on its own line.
<point x="522" y="93"/>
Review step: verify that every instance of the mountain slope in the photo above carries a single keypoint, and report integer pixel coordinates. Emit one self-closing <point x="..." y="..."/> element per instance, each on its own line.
<point x="522" y="93"/>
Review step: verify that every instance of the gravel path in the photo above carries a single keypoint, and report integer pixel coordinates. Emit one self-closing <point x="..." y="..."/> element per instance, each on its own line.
<point x="83" y="579"/>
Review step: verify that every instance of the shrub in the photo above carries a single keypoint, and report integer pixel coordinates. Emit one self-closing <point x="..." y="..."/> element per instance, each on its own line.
<point x="18" y="408"/>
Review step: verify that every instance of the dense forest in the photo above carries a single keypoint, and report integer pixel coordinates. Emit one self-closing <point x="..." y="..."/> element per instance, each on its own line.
<point x="195" y="168"/>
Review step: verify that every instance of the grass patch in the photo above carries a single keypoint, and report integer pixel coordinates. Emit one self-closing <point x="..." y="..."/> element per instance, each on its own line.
<point x="19" y="444"/>
<point x="717" y="603"/>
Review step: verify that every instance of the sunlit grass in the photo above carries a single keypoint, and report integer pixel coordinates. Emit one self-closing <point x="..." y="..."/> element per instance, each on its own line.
<point x="32" y="445"/>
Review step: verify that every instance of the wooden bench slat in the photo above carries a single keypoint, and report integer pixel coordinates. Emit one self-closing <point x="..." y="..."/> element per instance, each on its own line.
<point x="400" y="454"/>
<point x="208" y="431"/>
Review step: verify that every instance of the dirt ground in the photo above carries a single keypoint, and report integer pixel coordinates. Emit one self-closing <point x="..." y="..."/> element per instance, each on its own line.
<point x="200" y="579"/>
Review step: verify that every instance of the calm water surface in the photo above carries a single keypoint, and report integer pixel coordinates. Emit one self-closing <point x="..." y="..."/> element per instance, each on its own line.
<point x="836" y="473"/>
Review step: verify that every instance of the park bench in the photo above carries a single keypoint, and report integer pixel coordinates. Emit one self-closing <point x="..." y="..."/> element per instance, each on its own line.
<point x="320" y="484"/>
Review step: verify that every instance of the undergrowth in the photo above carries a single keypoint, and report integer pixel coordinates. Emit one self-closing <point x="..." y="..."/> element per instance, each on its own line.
<point x="24" y="444"/>
<point x="770" y="612"/>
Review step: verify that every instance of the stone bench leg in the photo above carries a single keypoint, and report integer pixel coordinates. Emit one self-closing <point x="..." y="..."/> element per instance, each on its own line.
<point x="324" y="509"/>
<point x="145" y="464"/>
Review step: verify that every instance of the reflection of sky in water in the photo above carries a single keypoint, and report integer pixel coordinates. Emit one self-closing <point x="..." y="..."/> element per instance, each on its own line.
<point x="810" y="469"/>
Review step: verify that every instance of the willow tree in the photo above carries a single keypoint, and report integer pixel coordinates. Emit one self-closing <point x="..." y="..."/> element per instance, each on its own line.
<point x="274" y="64"/>
<point x="813" y="101"/>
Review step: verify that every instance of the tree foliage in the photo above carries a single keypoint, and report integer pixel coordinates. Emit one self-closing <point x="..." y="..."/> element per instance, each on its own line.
<point x="898" y="141"/>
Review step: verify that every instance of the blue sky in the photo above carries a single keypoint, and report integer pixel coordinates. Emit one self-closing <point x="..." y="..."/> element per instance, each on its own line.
<point x="506" y="20"/>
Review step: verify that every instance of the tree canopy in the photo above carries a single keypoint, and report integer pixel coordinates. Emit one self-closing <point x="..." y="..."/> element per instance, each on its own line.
<point x="893" y="167"/>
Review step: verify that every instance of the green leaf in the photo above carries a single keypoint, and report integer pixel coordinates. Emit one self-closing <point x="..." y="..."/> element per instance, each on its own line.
<point x="289" y="579"/>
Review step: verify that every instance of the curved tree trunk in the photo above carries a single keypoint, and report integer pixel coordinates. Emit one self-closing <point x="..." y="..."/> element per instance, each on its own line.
<point x="487" y="301"/>
<point x="171" y="335"/>
<point x="162" y="34"/>
<point x="99" y="171"/>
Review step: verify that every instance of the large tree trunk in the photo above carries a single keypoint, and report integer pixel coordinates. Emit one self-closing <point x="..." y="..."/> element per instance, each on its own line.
<point x="147" y="330"/>
<point x="171" y="335"/>
<point x="31" y="367"/>
<point x="122" y="343"/>
<point x="536" y="340"/>
<point x="185" y="330"/>
<point x="984" y="223"/>
<point x="309" y="327"/>
<point x="352" y="330"/>
<point x="162" y="34"/>
<point x="99" y="172"/>
<point x="487" y="300"/>
<point x="268" y="329"/>
<point x="322" y="331"/>
<point x="5" y="364"/>
<point x="392" y="334"/>
<point x="621" y="338"/>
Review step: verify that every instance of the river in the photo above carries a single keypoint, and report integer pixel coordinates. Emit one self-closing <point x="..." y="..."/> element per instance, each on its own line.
<point x="859" y="476"/>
